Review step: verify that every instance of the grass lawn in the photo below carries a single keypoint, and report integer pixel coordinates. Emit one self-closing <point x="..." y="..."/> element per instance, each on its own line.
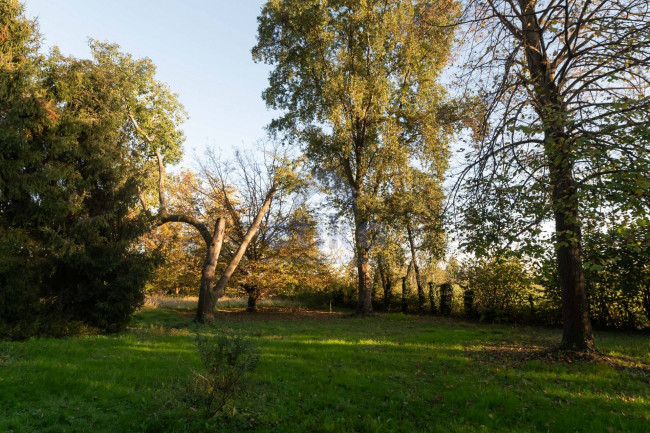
<point x="329" y="372"/>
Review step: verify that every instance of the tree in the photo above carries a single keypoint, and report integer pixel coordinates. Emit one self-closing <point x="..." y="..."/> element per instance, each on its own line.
<point x="358" y="81"/>
<point x="213" y="236"/>
<point x="24" y="120"/>
<point x="389" y="258"/>
<point x="500" y="286"/>
<point x="415" y="202"/>
<point x="244" y="185"/>
<point x="617" y="272"/>
<point x="565" y="107"/>
<point x="68" y="182"/>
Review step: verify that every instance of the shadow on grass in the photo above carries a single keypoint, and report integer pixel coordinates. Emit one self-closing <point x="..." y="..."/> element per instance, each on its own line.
<point x="320" y="372"/>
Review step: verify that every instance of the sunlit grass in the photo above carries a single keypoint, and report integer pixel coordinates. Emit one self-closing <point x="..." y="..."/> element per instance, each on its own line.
<point x="328" y="372"/>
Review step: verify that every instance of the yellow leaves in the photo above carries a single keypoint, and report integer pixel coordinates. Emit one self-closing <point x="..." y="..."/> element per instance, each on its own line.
<point x="3" y="33"/>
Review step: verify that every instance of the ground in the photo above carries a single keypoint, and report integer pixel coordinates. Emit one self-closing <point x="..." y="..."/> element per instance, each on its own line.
<point x="329" y="372"/>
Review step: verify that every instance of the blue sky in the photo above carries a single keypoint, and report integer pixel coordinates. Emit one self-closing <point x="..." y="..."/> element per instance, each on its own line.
<point x="201" y="48"/>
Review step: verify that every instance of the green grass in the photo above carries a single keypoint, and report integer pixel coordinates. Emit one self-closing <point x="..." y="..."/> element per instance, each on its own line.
<point x="328" y="372"/>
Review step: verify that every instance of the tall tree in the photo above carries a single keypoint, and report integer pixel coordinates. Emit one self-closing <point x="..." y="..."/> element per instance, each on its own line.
<point x="358" y="81"/>
<point x="565" y="90"/>
<point x="68" y="182"/>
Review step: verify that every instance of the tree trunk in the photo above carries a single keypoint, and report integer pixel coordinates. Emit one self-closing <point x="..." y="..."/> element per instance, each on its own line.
<point x="388" y="293"/>
<point x="432" y="299"/>
<point x="252" y="302"/>
<point x="577" y="332"/>
<point x="207" y="303"/>
<point x="230" y="269"/>
<point x="405" y="305"/>
<point x="362" y="244"/>
<point x="416" y="269"/>
<point x="386" y="284"/>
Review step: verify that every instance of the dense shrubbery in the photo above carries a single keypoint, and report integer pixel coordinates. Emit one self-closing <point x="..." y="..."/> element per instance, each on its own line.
<point x="68" y="184"/>
<point x="500" y="288"/>
<point x="617" y="276"/>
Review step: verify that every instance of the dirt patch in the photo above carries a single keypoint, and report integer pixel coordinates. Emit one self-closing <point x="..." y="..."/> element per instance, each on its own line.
<point x="266" y="314"/>
<point x="508" y="353"/>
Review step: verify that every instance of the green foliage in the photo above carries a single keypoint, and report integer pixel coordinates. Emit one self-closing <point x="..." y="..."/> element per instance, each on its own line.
<point x="500" y="287"/>
<point x="617" y="274"/>
<point x="70" y="172"/>
<point x="227" y="357"/>
<point x="358" y="84"/>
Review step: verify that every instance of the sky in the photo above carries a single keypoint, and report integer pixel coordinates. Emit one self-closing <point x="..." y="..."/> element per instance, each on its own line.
<point x="202" y="49"/>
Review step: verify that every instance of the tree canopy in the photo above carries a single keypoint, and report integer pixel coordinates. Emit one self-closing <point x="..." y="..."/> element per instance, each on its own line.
<point x="358" y="84"/>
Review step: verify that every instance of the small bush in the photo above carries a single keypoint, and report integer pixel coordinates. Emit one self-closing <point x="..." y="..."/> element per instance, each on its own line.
<point x="226" y="358"/>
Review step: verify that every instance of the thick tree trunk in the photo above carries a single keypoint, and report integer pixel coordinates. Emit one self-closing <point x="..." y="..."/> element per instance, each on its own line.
<point x="230" y="269"/>
<point x="577" y="332"/>
<point x="253" y="295"/>
<point x="207" y="303"/>
<point x="416" y="268"/>
<point x="362" y="244"/>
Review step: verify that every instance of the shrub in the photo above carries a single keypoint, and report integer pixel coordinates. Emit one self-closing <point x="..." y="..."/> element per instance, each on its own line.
<point x="500" y="286"/>
<point x="227" y="358"/>
<point x="446" y="294"/>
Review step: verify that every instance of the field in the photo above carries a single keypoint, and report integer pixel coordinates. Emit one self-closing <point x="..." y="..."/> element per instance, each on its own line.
<point x="322" y="371"/>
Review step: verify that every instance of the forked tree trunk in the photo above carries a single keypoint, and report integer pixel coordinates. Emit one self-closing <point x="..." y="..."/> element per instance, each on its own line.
<point x="253" y="295"/>
<point x="230" y="269"/>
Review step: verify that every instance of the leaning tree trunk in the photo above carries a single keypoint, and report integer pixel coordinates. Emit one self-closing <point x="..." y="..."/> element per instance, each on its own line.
<point x="416" y="268"/>
<point x="230" y="269"/>
<point x="207" y="303"/>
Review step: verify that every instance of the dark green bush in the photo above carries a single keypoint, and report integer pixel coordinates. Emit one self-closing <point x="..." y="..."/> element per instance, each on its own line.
<point x="446" y="294"/>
